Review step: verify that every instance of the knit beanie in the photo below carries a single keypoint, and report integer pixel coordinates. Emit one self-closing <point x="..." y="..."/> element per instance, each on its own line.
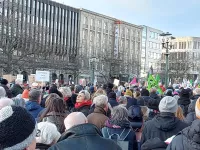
<point x="25" y="94"/>
<point x="128" y="93"/>
<point x="168" y="104"/>
<point x="17" y="128"/>
<point x="2" y="92"/>
<point x="197" y="108"/>
<point x="47" y="133"/>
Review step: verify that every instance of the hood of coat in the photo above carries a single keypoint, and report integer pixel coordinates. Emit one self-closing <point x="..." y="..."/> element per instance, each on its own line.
<point x="99" y="110"/>
<point x="184" y="101"/>
<point x="30" y="106"/>
<point x="195" y="97"/>
<point x="165" y="121"/>
<point x="154" y="143"/>
<point x="86" y="129"/>
<point x="154" y="96"/>
<point x="192" y="134"/>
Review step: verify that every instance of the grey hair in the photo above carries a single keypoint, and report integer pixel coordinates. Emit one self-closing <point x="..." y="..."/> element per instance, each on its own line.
<point x="196" y="91"/>
<point x="34" y="95"/>
<point x="86" y="93"/>
<point x="100" y="100"/>
<point x="19" y="102"/>
<point x="18" y="81"/>
<point x="66" y="91"/>
<point x="122" y="99"/>
<point x="119" y="113"/>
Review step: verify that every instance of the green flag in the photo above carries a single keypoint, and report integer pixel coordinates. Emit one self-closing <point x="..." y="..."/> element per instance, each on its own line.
<point x="191" y="81"/>
<point x="157" y="78"/>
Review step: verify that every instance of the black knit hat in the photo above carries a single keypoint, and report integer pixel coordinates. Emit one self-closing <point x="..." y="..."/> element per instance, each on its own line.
<point x="17" y="128"/>
<point x="4" y="81"/>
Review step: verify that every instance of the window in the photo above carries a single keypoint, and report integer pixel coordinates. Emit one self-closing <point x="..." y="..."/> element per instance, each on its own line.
<point x="99" y="23"/>
<point x="105" y="26"/>
<point x="195" y="45"/>
<point x="92" y="22"/>
<point x="85" y="20"/>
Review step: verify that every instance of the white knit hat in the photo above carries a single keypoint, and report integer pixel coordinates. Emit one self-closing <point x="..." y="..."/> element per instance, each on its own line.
<point x="168" y="104"/>
<point x="47" y="133"/>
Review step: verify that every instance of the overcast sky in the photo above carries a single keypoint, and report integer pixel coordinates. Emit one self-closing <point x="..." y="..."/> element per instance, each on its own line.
<point x="179" y="17"/>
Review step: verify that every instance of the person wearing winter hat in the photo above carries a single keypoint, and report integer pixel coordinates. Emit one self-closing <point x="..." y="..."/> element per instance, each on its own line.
<point x="184" y="100"/>
<point x="2" y="92"/>
<point x="112" y="99"/>
<point x="47" y="135"/>
<point x="17" y="129"/>
<point x="4" y="101"/>
<point x="130" y="100"/>
<point x="165" y="124"/>
<point x="4" y="84"/>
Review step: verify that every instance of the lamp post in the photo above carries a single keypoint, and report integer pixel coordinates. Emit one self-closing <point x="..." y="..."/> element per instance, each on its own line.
<point x="166" y="45"/>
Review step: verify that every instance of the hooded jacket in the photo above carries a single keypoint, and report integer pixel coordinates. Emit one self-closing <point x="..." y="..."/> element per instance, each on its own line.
<point x="191" y="107"/>
<point x="130" y="101"/>
<point x="190" y="118"/>
<point x="162" y="126"/>
<point x="187" y="139"/>
<point x="154" y="144"/>
<point x="84" y="137"/>
<point x="16" y="89"/>
<point x="33" y="108"/>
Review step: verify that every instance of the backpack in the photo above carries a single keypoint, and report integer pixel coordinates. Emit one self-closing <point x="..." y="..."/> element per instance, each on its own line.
<point x="135" y="113"/>
<point x="119" y="139"/>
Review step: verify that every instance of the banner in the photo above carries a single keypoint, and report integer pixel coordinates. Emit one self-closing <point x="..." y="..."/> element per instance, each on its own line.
<point x="20" y="77"/>
<point x="116" y="82"/>
<point x="134" y="81"/>
<point x="116" y="45"/>
<point x="42" y="76"/>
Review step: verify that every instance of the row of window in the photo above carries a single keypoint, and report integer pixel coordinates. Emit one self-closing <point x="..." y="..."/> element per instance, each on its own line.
<point x="182" y="56"/>
<point x="155" y="45"/>
<point x="154" y="35"/>
<point x="154" y="55"/>
<point x="186" y="45"/>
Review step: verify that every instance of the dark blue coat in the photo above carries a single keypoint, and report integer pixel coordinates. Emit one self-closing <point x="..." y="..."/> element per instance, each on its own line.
<point x="113" y="102"/>
<point x="130" y="101"/>
<point x="33" y="108"/>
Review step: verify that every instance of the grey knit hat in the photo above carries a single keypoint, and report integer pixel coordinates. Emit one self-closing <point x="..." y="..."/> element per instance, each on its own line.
<point x="168" y="104"/>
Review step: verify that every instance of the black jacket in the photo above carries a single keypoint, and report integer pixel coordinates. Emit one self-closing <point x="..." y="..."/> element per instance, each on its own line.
<point x="16" y="90"/>
<point x="163" y="126"/>
<point x="191" y="107"/>
<point x="140" y="101"/>
<point x="130" y="101"/>
<point x="154" y="144"/>
<point x="113" y="102"/>
<point x="8" y="91"/>
<point x="190" y="118"/>
<point x="84" y="109"/>
<point x="153" y="103"/>
<point x="84" y="137"/>
<point x="187" y="139"/>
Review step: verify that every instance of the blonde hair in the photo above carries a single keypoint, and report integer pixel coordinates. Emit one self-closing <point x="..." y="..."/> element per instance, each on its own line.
<point x="179" y="113"/>
<point x="100" y="91"/>
<point x="137" y="94"/>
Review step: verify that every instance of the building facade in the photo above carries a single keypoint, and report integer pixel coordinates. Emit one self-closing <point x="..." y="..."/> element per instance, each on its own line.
<point x="183" y="59"/>
<point x="42" y="34"/>
<point x="109" y="48"/>
<point x="151" y="50"/>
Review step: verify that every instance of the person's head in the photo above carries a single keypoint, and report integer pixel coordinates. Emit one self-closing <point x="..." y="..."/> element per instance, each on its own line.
<point x="119" y="114"/>
<point x="168" y="104"/>
<point x="169" y="92"/>
<point x="185" y="93"/>
<point x="136" y="94"/>
<point x="153" y="90"/>
<point x="75" y="118"/>
<point x="112" y="95"/>
<point x="92" y="89"/>
<point x="179" y="113"/>
<point x="18" y="81"/>
<point x="47" y="133"/>
<point x="54" y="89"/>
<point x="83" y="96"/>
<point x="4" y="82"/>
<point x="110" y="85"/>
<point x="101" y="101"/>
<point x="4" y="101"/>
<point x="34" y="85"/>
<point x="115" y="89"/>
<point x="35" y="96"/>
<point x="128" y="93"/>
<point x="19" y="102"/>
<point x="122" y="100"/>
<point x="72" y="87"/>
<point x="196" y="91"/>
<point x="144" y="92"/>
<point x="78" y="88"/>
<point x="18" y="129"/>
<point x="2" y="92"/>
<point x="51" y="96"/>
<point x="66" y="91"/>
<point x="197" y="108"/>
<point x="99" y="91"/>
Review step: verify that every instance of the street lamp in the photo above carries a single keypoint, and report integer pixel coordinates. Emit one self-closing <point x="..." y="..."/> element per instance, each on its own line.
<point x="165" y="45"/>
<point x="93" y="61"/>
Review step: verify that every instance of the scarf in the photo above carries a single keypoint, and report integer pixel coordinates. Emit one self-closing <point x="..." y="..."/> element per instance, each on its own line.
<point x="84" y="103"/>
<point x="117" y="124"/>
<point x="66" y="99"/>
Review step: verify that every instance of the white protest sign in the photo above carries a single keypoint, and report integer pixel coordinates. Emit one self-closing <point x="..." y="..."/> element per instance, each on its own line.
<point x="42" y="76"/>
<point x="20" y="77"/>
<point x="116" y="82"/>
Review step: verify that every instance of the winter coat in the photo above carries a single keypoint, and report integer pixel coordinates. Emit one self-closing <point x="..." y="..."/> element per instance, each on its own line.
<point x="113" y="102"/>
<point x="140" y="101"/>
<point x="187" y="139"/>
<point x="57" y="119"/>
<point x="130" y="101"/>
<point x="84" y="137"/>
<point x="33" y="108"/>
<point x="163" y="126"/>
<point x="190" y="118"/>
<point x="16" y="90"/>
<point x="153" y="103"/>
<point x="73" y="98"/>
<point x="191" y="107"/>
<point x="98" y="117"/>
<point x="154" y="144"/>
<point x="84" y="109"/>
<point x="155" y="96"/>
<point x="184" y="103"/>
<point x="131" y="137"/>
<point x="8" y="91"/>
<point x="40" y="146"/>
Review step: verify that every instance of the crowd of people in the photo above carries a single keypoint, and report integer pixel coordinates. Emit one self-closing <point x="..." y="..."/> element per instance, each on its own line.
<point x="98" y="117"/>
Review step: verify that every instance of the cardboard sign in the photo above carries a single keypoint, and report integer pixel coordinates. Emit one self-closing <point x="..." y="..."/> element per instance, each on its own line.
<point x="20" y="77"/>
<point x="42" y="76"/>
<point x="31" y="79"/>
<point x="116" y="82"/>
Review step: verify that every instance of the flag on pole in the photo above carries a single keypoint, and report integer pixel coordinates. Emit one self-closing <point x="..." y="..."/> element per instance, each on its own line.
<point x="134" y="81"/>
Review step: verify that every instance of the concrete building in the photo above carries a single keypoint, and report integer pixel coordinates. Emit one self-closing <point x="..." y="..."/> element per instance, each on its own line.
<point x="184" y="59"/>
<point x="151" y="50"/>
<point x="108" y="47"/>
<point x="38" y="34"/>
